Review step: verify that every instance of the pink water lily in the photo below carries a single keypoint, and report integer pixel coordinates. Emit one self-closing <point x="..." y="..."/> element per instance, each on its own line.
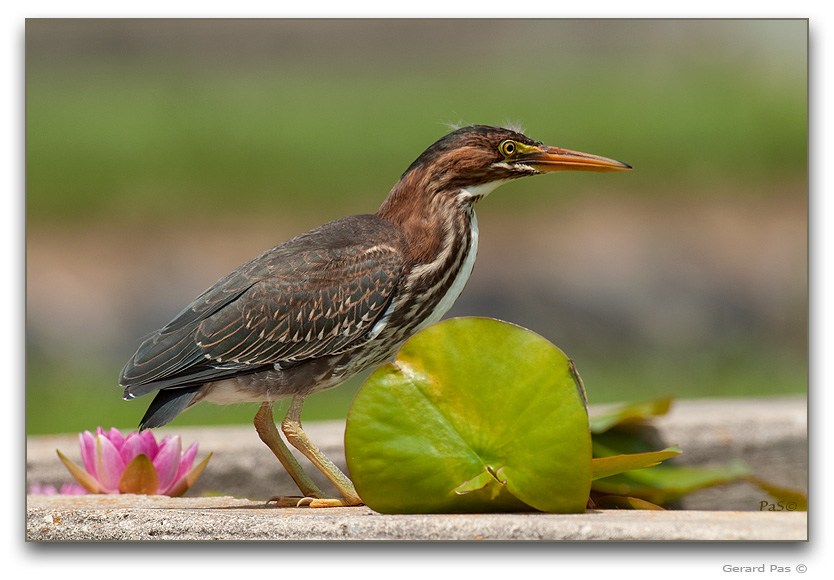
<point x="136" y="463"/>
<point x="49" y="489"/>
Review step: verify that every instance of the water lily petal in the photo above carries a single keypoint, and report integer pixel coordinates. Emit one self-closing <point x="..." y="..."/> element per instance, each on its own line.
<point x="139" y="477"/>
<point x="167" y="461"/>
<point x="183" y="483"/>
<point x="187" y="461"/>
<point x="72" y="489"/>
<point x="88" y="481"/>
<point x="150" y="441"/>
<point x="87" y="442"/>
<point x="115" y="437"/>
<point x="109" y="464"/>
<point x="135" y="445"/>
<point x="131" y="448"/>
<point x="42" y="489"/>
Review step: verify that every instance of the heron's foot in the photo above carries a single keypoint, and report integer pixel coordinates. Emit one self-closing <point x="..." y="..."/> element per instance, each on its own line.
<point x="284" y="500"/>
<point x="326" y="502"/>
<point x="313" y="502"/>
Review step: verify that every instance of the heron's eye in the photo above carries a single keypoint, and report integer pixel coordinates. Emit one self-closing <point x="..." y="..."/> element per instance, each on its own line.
<point x="508" y="148"/>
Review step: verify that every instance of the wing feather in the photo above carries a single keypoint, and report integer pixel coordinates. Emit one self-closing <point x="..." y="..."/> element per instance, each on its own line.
<point x="315" y="295"/>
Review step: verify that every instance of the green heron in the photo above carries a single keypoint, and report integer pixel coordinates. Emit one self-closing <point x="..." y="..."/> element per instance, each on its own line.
<point x="314" y="311"/>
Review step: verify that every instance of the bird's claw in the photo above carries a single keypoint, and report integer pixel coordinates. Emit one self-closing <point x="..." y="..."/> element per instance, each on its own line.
<point x="328" y="502"/>
<point x="284" y="501"/>
<point x="313" y="502"/>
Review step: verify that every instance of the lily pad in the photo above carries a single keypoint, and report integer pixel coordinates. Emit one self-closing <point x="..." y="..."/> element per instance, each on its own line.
<point x="660" y="484"/>
<point x="630" y="414"/>
<point x="621" y="502"/>
<point x="473" y="415"/>
<point x="616" y="464"/>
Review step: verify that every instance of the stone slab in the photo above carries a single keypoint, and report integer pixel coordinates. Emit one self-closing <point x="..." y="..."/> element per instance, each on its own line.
<point x="159" y="518"/>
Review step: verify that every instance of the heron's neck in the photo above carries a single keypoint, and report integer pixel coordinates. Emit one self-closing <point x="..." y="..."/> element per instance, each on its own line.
<point x="432" y="218"/>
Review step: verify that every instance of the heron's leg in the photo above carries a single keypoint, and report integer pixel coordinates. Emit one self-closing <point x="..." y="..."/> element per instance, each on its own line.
<point x="265" y="426"/>
<point x="291" y="426"/>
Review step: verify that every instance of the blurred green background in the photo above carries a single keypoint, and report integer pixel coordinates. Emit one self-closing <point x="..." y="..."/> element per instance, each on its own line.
<point x="161" y="154"/>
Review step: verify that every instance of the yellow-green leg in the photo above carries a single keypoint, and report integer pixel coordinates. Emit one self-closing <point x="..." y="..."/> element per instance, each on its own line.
<point x="291" y="426"/>
<point x="265" y="426"/>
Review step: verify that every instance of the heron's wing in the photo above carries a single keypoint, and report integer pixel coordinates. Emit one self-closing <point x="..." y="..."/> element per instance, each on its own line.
<point x="318" y="294"/>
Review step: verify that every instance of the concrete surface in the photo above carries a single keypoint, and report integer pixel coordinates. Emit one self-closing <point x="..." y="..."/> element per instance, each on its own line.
<point x="131" y="517"/>
<point x="769" y="434"/>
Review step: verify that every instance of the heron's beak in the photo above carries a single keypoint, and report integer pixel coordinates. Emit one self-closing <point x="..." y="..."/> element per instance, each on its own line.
<point x="546" y="159"/>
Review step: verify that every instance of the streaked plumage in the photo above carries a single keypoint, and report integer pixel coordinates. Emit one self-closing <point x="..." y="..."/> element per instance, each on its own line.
<point x="314" y="296"/>
<point x="314" y="311"/>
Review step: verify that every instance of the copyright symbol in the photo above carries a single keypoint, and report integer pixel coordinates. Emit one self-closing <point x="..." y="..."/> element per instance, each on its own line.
<point x="802" y="568"/>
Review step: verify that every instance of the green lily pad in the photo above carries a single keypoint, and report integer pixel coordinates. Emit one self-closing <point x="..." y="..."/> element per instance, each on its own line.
<point x="660" y="484"/>
<point x="630" y="414"/>
<point x="621" y="502"/>
<point x="473" y="415"/>
<point x="663" y="483"/>
<point x="615" y="464"/>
